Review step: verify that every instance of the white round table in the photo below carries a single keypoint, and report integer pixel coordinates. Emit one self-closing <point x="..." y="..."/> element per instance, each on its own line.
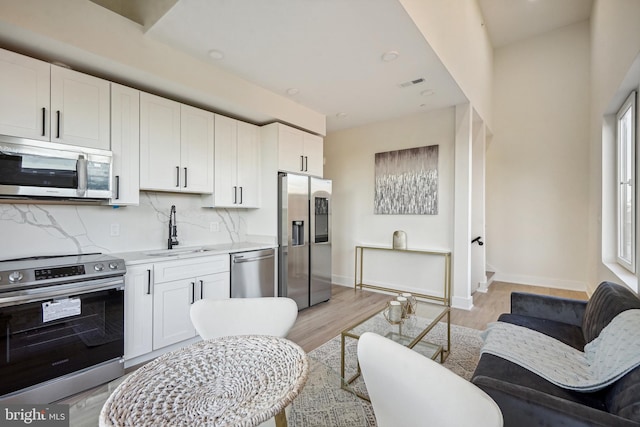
<point x="227" y="381"/>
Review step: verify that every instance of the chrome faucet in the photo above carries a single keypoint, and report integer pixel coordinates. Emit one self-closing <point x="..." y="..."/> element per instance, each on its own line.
<point x="173" y="229"/>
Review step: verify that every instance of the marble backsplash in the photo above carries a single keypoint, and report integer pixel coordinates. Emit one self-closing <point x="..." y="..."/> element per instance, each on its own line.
<point x="44" y="229"/>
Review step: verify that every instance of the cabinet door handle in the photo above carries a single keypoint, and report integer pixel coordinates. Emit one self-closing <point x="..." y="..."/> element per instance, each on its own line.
<point x="44" y="120"/>
<point x="58" y="124"/>
<point x="235" y="195"/>
<point x="301" y="163"/>
<point x="306" y="164"/>
<point x="148" y="282"/>
<point x="193" y="292"/>
<point x="201" y="289"/>
<point x="117" y="187"/>
<point x="240" y="195"/>
<point x="177" y="176"/>
<point x="185" y="177"/>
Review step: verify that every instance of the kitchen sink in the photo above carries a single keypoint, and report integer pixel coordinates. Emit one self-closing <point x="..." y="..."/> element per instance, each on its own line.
<point x="175" y="252"/>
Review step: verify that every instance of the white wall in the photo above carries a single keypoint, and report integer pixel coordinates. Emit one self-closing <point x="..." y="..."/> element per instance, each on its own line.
<point x="615" y="44"/>
<point x="538" y="161"/>
<point x="350" y="164"/>
<point x="455" y="31"/>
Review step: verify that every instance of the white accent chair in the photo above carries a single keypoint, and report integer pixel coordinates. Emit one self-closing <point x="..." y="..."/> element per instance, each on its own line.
<point x="408" y="389"/>
<point x="214" y="318"/>
<point x="246" y="316"/>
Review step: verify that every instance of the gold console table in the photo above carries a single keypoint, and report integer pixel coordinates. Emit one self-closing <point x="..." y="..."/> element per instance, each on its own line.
<point x="446" y="297"/>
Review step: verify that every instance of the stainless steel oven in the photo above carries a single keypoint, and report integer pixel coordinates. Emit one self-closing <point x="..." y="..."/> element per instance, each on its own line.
<point x="61" y="326"/>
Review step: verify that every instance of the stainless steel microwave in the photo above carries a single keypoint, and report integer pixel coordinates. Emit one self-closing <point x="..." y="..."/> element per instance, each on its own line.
<point x="38" y="169"/>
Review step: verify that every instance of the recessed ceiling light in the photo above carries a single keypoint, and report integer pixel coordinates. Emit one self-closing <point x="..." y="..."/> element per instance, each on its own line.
<point x="390" y="56"/>
<point x="427" y="92"/>
<point x="216" y="54"/>
<point x="293" y="91"/>
<point x="341" y="115"/>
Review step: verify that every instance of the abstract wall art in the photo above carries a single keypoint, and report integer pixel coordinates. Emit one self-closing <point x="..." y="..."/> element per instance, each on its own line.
<point x="406" y="181"/>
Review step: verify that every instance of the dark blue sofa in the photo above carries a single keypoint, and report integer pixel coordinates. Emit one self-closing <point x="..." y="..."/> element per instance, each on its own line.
<point x="527" y="399"/>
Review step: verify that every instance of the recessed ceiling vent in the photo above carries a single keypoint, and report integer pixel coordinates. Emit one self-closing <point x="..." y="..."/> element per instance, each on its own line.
<point x="412" y="82"/>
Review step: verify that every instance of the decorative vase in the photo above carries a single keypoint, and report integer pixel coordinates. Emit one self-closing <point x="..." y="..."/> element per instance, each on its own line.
<point x="399" y="239"/>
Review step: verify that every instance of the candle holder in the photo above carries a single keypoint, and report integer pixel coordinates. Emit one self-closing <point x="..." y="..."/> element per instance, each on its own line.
<point x="412" y="302"/>
<point x="394" y="313"/>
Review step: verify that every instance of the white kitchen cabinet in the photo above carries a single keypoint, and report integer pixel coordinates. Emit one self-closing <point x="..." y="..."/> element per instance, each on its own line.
<point x="51" y="103"/>
<point x="248" y="161"/>
<point x="313" y="152"/>
<point x="237" y="165"/>
<point x="159" y="143"/>
<point x="80" y="109"/>
<point x="24" y="96"/>
<point x="125" y="144"/>
<point x="196" y="149"/>
<point x="176" y="146"/>
<point x="171" y="304"/>
<point x="298" y="151"/>
<point x="214" y="286"/>
<point x="138" y="314"/>
<point x="177" y="285"/>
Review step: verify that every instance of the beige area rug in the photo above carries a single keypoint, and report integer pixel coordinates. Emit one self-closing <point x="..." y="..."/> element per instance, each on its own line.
<point x="322" y="402"/>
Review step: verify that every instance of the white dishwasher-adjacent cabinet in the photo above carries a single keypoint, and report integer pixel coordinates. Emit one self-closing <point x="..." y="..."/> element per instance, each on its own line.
<point x="177" y="285"/>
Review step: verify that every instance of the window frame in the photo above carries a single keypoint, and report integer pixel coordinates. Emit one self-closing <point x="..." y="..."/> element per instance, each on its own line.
<point x="626" y="167"/>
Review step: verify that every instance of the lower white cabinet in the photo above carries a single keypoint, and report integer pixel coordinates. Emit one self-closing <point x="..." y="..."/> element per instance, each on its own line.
<point x="158" y="298"/>
<point x="171" y="304"/>
<point x="177" y="285"/>
<point x="138" y="314"/>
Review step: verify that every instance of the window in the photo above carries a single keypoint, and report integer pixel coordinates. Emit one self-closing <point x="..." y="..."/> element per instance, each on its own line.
<point x="626" y="168"/>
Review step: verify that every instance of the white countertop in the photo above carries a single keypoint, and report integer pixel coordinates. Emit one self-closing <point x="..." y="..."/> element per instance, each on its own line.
<point x="179" y="252"/>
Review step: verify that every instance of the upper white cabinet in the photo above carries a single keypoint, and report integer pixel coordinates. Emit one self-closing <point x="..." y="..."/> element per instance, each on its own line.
<point x="176" y="146"/>
<point x="298" y="151"/>
<point x="196" y="149"/>
<point x="24" y="96"/>
<point x="159" y="143"/>
<point x="125" y="144"/>
<point x="237" y="165"/>
<point x="79" y="109"/>
<point x="51" y="103"/>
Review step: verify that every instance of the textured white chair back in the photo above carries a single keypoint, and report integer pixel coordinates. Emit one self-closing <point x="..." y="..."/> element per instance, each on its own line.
<point x="243" y="316"/>
<point x="408" y="389"/>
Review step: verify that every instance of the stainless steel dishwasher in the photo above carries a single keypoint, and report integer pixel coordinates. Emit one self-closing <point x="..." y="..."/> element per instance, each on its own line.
<point x="252" y="274"/>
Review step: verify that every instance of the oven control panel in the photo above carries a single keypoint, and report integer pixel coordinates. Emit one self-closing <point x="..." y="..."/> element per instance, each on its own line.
<point x="54" y="273"/>
<point x="46" y="271"/>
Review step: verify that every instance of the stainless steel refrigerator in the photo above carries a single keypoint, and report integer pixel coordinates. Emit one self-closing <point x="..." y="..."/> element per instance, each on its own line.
<point x="304" y="238"/>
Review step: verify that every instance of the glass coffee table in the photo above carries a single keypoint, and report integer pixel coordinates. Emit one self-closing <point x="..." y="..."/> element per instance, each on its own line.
<point x="409" y="333"/>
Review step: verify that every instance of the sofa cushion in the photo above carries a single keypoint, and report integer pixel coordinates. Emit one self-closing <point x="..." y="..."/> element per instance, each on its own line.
<point x="608" y="300"/>
<point x="501" y="369"/>
<point x="568" y="334"/>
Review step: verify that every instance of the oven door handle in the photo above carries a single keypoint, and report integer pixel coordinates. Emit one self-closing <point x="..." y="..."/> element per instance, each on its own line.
<point x="40" y="294"/>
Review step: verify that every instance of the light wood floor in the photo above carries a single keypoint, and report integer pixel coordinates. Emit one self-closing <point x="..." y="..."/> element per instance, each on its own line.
<point x="320" y="323"/>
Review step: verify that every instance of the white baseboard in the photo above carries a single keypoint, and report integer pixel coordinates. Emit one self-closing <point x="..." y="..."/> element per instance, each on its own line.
<point x="462" y="303"/>
<point x="484" y="287"/>
<point x="342" y="280"/>
<point x="572" y="285"/>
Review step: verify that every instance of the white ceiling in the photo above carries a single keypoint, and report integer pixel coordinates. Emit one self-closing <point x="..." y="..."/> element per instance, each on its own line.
<point x="330" y="51"/>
